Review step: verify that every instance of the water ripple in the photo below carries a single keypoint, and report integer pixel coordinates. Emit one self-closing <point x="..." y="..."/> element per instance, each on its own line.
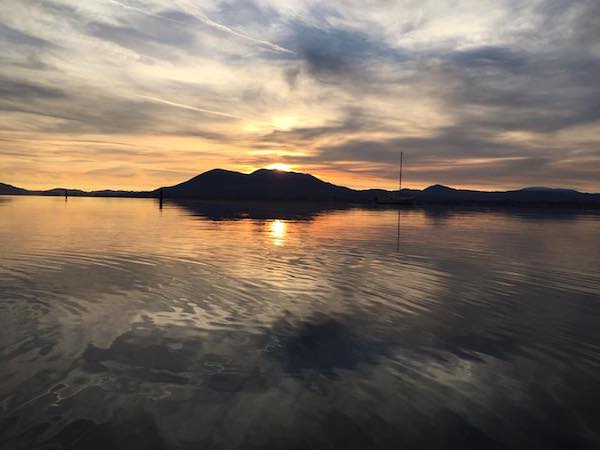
<point x="484" y="323"/>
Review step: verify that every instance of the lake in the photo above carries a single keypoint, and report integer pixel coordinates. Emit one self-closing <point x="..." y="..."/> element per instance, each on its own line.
<point x="224" y="326"/>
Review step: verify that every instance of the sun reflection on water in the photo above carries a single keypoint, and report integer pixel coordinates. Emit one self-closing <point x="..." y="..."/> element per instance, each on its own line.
<point x="278" y="230"/>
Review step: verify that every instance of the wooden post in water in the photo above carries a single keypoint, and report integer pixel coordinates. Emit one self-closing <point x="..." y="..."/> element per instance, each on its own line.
<point x="160" y="199"/>
<point x="66" y="195"/>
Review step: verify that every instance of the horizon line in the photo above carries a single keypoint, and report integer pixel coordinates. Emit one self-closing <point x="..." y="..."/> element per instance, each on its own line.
<point x="302" y="173"/>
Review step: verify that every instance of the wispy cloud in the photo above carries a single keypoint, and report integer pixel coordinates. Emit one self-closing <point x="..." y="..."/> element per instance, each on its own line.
<point x="196" y="12"/>
<point x="189" y="107"/>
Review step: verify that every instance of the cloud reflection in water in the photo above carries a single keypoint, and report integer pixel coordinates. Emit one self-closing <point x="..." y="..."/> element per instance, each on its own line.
<point x="127" y="327"/>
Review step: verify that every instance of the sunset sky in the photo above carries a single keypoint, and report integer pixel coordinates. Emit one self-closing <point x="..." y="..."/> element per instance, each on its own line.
<point x="132" y="94"/>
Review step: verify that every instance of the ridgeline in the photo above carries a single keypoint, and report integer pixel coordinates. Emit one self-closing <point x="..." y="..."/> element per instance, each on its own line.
<point x="275" y="185"/>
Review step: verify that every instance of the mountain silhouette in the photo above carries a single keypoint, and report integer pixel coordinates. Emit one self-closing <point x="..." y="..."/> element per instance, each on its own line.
<point x="7" y="189"/>
<point x="262" y="184"/>
<point x="439" y="194"/>
<point x="276" y="185"/>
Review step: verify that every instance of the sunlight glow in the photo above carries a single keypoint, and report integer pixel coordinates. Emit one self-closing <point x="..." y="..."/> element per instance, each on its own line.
<point x="284" y="123"/>
<point x="278" y="230"/>
<point x="280" y="166"/>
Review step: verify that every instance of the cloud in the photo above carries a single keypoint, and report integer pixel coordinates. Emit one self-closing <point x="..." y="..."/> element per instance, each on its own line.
<point x="189" y="107"/>
<point x="337" y="88"/>
<point x="191" y="10"/>
<point x="19" y="38"/>
<point x="336" y="52"/>
<point x="25" y="90"/>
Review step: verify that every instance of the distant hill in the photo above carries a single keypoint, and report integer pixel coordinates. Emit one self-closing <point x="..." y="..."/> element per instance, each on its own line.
<point x="7" y="189"/>
<point x="61" y="191"/>
<point x="262" y="184"/>
<point x="275" y="185"/>
<point x="439" y="194"/>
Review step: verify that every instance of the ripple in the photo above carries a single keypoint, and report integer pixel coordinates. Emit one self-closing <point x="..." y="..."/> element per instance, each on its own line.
<point x="309" y="317"/>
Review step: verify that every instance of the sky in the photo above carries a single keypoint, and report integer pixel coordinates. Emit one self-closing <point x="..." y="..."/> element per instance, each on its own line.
<point x="130" y="94"/>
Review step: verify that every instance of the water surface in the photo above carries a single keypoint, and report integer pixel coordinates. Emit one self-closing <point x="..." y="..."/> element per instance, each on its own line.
<point x="223" y="326"/>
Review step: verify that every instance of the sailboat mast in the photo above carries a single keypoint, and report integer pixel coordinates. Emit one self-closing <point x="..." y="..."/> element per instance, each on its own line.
<point x="400" y="175"/>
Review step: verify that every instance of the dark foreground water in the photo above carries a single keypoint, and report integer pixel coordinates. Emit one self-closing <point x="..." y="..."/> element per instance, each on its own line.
<point x="213" y="327"/>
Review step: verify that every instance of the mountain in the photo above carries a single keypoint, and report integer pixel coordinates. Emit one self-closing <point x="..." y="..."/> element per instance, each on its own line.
<point x="262" y="184"/>
<point x="439" y="194"/>
<point x="7" y="189"/>
<point x="275" y="185"/>
<point x="61" y="191"/>
<point x="547" y="189"/>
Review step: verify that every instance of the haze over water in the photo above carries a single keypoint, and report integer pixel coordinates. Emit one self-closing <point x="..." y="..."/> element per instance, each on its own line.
<point x="123" y="325"/>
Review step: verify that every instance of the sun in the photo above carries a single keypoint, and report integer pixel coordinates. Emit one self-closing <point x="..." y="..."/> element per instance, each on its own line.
<point x="280" y="166"/>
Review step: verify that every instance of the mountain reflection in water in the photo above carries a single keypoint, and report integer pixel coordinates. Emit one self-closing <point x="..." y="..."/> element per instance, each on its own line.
<point x="223" y="326"/>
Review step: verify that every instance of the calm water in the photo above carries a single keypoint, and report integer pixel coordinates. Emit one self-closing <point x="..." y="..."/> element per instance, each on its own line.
<point x="126" y="326"/>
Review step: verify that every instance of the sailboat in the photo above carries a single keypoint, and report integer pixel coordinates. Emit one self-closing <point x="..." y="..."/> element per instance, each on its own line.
<point x="398" y="199"/>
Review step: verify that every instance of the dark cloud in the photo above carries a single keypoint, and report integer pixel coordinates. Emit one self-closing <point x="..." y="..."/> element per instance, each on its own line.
<point x="336" y="55"/>
<point x="17" y="37"/>
<point x="25" y="90"/>
<point x="518" y="91"/>
<point x="443" y="145"/>
<point x="244" y="12"/>
<point x="147" y="34"/>
<point x="22" y="50"/>
<point x="502" y="58"/>
<point x="544" y="83"/>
